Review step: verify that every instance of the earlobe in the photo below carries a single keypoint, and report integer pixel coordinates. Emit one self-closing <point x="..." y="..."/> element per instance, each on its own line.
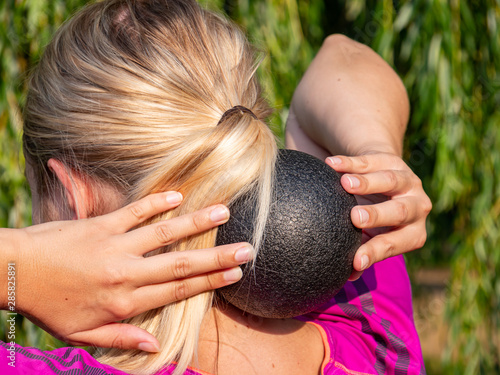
<point x="76" y="187"/>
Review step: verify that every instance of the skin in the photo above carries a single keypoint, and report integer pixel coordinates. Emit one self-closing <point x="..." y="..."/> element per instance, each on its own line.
<point x="231" y="341"/>
<point x="234" y="342"/>
<point x="365" y="123"/>
<point x="104" y="257"/>
<point x="351" y="104"/>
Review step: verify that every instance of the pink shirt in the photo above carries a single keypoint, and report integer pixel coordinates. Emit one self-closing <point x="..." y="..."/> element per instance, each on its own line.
<point x="367" y="328"/>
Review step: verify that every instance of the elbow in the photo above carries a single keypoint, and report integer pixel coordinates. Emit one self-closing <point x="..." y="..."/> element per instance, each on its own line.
<point x="340" y="41"/>
<point x="336" y="39"/>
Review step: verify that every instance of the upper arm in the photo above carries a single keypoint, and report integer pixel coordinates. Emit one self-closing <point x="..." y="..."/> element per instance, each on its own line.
<point x="350" y="101"/>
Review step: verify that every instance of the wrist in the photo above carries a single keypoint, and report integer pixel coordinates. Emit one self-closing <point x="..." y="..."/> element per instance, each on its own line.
<point x="378" y="148"/>
<point x="361" y="134"/>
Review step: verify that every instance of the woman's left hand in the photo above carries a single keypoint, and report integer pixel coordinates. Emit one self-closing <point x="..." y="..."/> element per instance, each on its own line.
<point x="393" y="206"/>
<point x="77" y="279"/>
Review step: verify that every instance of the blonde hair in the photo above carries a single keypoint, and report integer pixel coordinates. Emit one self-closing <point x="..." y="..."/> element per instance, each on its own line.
<point x="130" y="93"/>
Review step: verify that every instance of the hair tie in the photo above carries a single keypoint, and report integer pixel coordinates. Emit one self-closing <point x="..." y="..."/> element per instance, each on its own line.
<point x="235" y="109"/>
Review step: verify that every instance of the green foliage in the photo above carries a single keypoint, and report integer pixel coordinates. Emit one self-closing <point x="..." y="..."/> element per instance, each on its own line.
<point x="25" y="27"/>
<point x="448" y="56"/>
<point x="287" y="32"/>
<point x="27" y="334"/>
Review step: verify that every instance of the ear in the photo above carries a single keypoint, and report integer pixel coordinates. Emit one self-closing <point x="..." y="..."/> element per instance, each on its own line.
<point x="77" y="188"/>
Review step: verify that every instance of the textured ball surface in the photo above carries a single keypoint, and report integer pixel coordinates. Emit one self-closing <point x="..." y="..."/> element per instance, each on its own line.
<point x="309" y="245"/>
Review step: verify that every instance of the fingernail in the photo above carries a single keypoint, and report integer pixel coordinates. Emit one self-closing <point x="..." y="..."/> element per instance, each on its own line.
<point x="174" y="198"/>
<point x="234" y="274"/>
<point x="243" y="255"/>
<point x="219" y="213"/>
<point x="363" y="215"/>
<point x="148" y="347"/>
<point x="353" y="181"/>
<point x="334" y="160"/>
<point x="364" y="261"/>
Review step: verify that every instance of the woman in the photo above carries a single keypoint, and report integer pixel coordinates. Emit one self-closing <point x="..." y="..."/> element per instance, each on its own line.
<point x="140" y="110"/>
<point x="161" y="95"/>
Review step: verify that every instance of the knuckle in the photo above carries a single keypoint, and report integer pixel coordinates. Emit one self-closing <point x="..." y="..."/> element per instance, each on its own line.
<point x="427" y="206"/>
<point x="118" y="342"/>
<point x="137" y="211"/>
<point x="373" y="216"/>
<point x="363" y="162"/>
<point x="388" y="247"/>
<point x="391" y="178"/>
<point x="421" y="241"/>
<point x="181" y="290"/>
<point x="213" y="282"/>
<point x="364" y="184"/>
<point x="121" y="309"/>
<point x="182" y="268"/>
<point x="198" y="222"/>
<point x="416" y="180"/>
<point x="372" y="251"/>
<point x="219" y="260"/>
<point x="114" y="275"/>
<point x="401" y="213"/>
<point x="369" y="248"/>
<point x="164" y="234"/>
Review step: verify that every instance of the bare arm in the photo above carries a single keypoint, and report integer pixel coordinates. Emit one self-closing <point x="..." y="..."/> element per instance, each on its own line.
<point x="351" y="103"/>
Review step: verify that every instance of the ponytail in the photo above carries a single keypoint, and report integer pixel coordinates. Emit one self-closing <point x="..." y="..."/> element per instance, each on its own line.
<point x="140" y="95"/>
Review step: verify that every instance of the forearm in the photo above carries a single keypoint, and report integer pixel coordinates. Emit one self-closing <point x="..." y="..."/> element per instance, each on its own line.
<point x="349" y="102"/>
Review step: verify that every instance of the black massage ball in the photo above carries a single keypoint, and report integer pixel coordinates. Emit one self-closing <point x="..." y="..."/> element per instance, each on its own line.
<point x="308" y="249"/>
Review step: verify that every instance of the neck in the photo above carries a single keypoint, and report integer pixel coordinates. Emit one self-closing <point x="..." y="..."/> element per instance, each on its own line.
<point x="232" y="341"/>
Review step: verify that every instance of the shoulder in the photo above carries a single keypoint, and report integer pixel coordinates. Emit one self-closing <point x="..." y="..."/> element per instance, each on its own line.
<point x="16" y="359"/>
<point x="369" y="324"/>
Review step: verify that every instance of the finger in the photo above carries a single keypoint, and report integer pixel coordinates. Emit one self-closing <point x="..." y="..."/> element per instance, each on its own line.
<point x="355" y="275"/>
<point x="365" y="163"/>
<point x="164" y="233"/>
<point x="180" y="265"/>
<point x="116" y="335"/>
<point x="153" y="296"/>
<point x="135" y="213"/>
<point x="386" y="245"/>
<point x="388" y="182"/>
<point x="393" y="213"/>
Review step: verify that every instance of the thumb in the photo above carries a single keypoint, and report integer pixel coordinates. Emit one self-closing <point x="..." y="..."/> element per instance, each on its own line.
<point x="116" y="335"/>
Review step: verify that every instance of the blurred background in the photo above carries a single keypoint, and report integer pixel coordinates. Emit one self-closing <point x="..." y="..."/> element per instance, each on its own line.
<point x="448" y="56"/>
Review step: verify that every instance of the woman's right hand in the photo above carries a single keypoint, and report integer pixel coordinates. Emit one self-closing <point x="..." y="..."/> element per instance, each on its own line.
<point x="392" y="206"/>
<point x="77" y="278"/>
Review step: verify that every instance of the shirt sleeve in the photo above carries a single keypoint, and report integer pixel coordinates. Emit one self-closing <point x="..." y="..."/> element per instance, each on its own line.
<point x="15" y="359"/>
